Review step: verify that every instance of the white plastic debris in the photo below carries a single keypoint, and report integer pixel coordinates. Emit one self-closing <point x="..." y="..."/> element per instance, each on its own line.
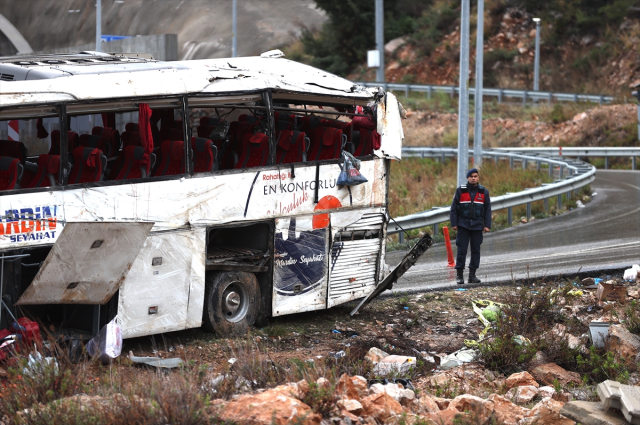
<point x="232" y="360"/>
<point x="579" y="204"/>
<point x="394" y="364"/>
<point x="107" y="345"/>
<point x="37" y="364"/>
<point x="458" y="358"/>
<point x="631" y="274"/>
<point x="273" y="54"/>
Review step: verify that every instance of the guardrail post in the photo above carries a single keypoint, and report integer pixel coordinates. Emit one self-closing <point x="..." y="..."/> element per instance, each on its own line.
<point x="524" y="98"/>
<point x="406" y="90"/>
<point x="538" y="165"/>
<point x="601" y="99"/>
<point x="453" y="92"/>
<point x="559" y="206"/>
<point x="509" y="216"/>
<point x="575" y="98"/>
<point x="511" y="162"/>
<point x="528" y="211"/>
<point x="561" y="172"/>
<point x="429" y="89"/>
<point x="633" y="163"/>
<point x="606" y="162"/>
<point x="568" y="195"/>
<point x="401" y="236"/>
<point x="550" y="97"/>
<point x="500" y="96"/>
<point x="442" y="157"/>
<point x="546" y="205"/>
<point x="435" y="230"/>
<point x="550" y="170"/>
<point x="524" y="164"/>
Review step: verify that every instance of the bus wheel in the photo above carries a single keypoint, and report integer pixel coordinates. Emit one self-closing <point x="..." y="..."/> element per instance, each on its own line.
<point x="231" y="302"/>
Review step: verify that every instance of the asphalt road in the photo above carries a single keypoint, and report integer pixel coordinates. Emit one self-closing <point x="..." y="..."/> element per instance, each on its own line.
<point x="603" y="235"/>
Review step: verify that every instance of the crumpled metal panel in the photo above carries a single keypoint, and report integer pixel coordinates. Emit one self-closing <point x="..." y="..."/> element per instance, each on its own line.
<point x="87" y="264"/>
<point x="390" y="128"/>
<point x="354" y="264"/>
<point x="173" y="290"/>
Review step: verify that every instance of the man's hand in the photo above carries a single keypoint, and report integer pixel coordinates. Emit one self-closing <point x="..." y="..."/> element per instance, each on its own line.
<point x="486" y="230"/>
<point x="455" y="228"/>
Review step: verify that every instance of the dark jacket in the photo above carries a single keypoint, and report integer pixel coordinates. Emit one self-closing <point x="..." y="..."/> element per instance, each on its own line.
<point x="471" y="208"/>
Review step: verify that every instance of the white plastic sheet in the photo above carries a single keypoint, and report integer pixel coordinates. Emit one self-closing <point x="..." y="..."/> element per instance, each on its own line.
<point x="107" y="344"/>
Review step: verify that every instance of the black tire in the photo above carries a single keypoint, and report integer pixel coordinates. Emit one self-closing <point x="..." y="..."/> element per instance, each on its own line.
<point x="231" y="302"/>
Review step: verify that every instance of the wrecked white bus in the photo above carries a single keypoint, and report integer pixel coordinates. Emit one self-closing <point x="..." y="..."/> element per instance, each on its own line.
<point x="184" y="194"/>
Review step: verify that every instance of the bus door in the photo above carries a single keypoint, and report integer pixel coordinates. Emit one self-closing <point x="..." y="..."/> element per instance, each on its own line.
<point x="300" y="264"/>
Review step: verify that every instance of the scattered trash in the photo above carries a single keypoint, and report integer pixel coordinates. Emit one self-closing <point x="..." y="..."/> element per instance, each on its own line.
<point x="520" y="340"/>
<point x="107" y="345"/>
<point x="406" y="308"/>
<point x="350" y="174"/>
<point x="460" y="289"/>
<point x="406" y="383"/>
<point x="337" y="355"/>
<point x="335" y="331"/>
<point x="630" y="275"/>
<point x="37" y="364"/>
<point x="609" y="291"/>
<point x="575" y="293"/>
<point x="158" y="362"/>
<point x="394" y="364"/>
<point x="232" y="360"/>
<point x="348" y="334"/>
<point x="625" y="398"/>
<point x="599" y="332"/>
<point x="457" y="358"/>
<point x="579" y="204"/>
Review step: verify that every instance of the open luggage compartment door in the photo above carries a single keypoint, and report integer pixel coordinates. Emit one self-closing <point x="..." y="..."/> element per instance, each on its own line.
<point x="87" y="264"/>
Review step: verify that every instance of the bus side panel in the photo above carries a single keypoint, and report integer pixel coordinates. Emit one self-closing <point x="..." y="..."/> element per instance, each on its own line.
<point x="166" y="275"/>
<point x="300" y="264"/>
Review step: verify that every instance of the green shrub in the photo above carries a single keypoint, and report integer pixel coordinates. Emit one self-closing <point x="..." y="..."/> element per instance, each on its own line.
<point x="557" y="114"/>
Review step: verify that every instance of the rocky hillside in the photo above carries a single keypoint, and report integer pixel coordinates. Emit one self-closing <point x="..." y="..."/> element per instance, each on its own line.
<point x="609" y="63"/>
<point x="203" y="26"/>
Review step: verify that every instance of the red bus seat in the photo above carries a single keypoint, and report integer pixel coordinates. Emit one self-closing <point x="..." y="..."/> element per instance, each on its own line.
<point x="365" y="143"/>
<point x="48" y="169"/>
<point x="255" y="151"/>
<point x="172" y="158"/>
<point x="10" y="171"/>
<point x="99" y="142"/>
<point x="13" y="149"/>
<point x="291" y="147"/>
<point x="87" y="166"/>
<point x="205" y="153"/>
<point x="331" y="143"/>
<point x="133" y="165"/>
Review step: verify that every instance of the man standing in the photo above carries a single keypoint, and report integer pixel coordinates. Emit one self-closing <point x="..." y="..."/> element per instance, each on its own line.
<point x="470" y="216"/>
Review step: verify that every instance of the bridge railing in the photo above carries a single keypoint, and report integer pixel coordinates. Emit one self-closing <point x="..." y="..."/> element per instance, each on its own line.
<point x="579" y="174"/>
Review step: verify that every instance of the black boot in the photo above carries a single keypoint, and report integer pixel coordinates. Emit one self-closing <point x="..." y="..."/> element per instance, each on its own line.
<point x="472" y="276"/>
<point x="460" y="278"/>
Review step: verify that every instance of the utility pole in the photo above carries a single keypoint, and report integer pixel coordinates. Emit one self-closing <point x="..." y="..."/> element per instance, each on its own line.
<point x="98" y="25"/>
<point x="234" y="29"/>
<point x="380" y="39"/>
<point x="477" y="116"/>
<point x="536" y="66"/>
<point x="463" y="100"/>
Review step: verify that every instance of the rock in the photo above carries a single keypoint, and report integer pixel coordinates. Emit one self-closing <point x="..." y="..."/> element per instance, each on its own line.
<point x="393" y="390"/>
<point x="392" y="45"/>
<point x="297" y="390"/>
<point x="521" y="379"/>
<point x="522" y="394"/>
<point x="323" y="383"/>
<point x="623" y="342"/>
<point x="353" y="387"/>
<point x="352" y="406"/>
<point x="381" y="407"/>
<point x="546" y="412"/>
<point x="549" y="372"/>
<point x="374" y="355"/>
<point x="480" y="409"/>
<point x="269" y="407"/>
<point x="538" y="359"/>
<point x="447" y="417"/>
<point x="443" y="403"/>
<point x="546" y="391"/>
<point x="407" y="395"/>
<point x="590" y="413"/>
<point x="505" y="411"/>
<point x="428" y="404"/>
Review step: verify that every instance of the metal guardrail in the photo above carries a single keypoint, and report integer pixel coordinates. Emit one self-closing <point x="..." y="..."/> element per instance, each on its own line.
<point x="499" y="93"/>
<point x="580" y="152"/>
<point x="580" y="174"/>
